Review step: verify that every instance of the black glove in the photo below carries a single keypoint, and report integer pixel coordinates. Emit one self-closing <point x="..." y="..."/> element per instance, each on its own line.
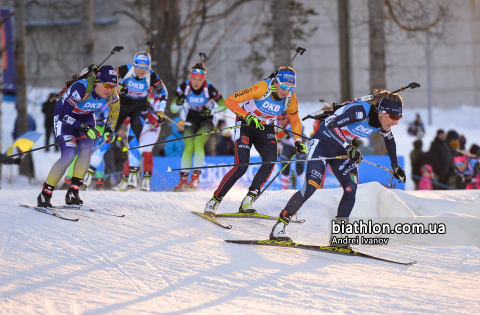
<point x="301" y="148"/>
<point x="109" y="135"/>
<point x="399" y="173"/>
<point x="205" y="112"/>
<point x="90" y="131"/>
<point x="353" y="154"/>
<point x="123" y="89"/>
<point x="180" y="99"/>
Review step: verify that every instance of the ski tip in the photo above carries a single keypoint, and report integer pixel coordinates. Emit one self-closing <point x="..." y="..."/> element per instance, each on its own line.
<point x="169" y="169"/>
<point x="125" y="149"/>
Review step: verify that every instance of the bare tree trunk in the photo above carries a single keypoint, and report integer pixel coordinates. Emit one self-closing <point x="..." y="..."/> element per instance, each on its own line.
<point x="281" y="32"/>
<point x="88" y="30"/>
<point x="20" y="65"/>
<point x="26" y="168"/>
<point x="344" y="47"/>
<point x="377" y="58"/>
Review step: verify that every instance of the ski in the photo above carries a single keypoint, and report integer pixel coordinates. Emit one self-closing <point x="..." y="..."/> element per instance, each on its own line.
<point x="83" y="208"/>
<point x="211" y="219"/>
<point x="324" y="249"/>
<point x="49" y="211"/>
<point x="252" y="215"/>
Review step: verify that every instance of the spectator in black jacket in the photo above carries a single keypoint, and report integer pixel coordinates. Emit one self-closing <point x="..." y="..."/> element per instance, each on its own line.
<point x="48" y="109"/>
<point x="418" y="159"/>
<point x="440" y="158"/>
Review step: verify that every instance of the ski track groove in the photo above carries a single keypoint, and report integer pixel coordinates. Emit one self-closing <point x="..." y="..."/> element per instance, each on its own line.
<point x="114" y="265"/>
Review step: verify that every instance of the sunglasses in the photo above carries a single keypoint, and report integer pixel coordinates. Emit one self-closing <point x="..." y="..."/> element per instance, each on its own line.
<point x="282" y="118"/>
<point x="392" y="117"/>
<point x="142" y="67"/>
<point x="285" y="87"/>
<point x="198" y="71"/>
<point x="109" y="86"/>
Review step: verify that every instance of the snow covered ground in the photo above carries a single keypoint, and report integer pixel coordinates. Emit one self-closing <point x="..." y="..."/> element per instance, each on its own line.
<point x="162" y="259"/>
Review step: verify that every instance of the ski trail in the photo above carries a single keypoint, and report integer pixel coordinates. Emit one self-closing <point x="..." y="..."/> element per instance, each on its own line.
<point x="6" y="245"/>
<point x="114" y="265"/>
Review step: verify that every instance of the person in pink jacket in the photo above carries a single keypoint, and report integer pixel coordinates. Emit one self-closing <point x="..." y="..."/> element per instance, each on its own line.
<point x="426" y="181"/>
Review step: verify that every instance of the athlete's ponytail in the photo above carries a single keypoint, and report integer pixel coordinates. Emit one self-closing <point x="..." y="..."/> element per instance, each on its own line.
<point x="200" y="66"/>
<point x="274" y="74"/>
<point x="379" y="94"/>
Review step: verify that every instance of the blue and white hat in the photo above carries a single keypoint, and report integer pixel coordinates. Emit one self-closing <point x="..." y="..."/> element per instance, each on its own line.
<point x="106" y="74"/>
<point x="286" y="75"/>
<point x="142" y="59"/>
<point x="390" y="107"/>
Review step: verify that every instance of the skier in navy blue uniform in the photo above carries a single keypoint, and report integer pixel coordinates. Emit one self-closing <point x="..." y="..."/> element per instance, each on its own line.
<point x="73" y="118"/>
<point x="333" y="138"/>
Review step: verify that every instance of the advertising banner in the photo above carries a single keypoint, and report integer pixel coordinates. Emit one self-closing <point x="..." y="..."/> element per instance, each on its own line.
<point x="211" y="177"/>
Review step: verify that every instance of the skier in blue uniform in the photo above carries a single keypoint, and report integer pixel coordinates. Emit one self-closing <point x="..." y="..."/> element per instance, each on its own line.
<point x="333" y="138"/>
<point x="74" y="117"/>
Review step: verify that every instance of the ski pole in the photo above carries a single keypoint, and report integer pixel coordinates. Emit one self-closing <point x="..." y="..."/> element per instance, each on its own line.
<point x="98" y="147"/>
<point x="412" y="86"/>
<point x="384" y="168"/>
<point x="196" y="135"/>
<point x="171" y="120"/>
<point x="291" y="132"/>
<point x="365" y="98"/>
<point x="84" y="73"/>
<point x="149" y="45"/>
<point x="339" y="157"/>
<point x="151" y="127"/>
<point x="226" y="115"/>
<point x="299" y="50"/>
<point x="288" y="163"/>
<point x="46" y="146"/>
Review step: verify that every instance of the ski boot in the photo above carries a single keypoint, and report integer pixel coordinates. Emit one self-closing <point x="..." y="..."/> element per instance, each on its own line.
<point x="146" y="181"/>
<point x="122" y="186"/>
<point x="338" y="236"/>
<point x="99" y="184"/>
<point x="212" y="206"/>
<point x="73" y="196"/>
<point x="195" y="180"/>
<point x="278" y="231"/>
<point x="87" y="179"/>
<point x="43" y="200"/>
<point x="132" y="178"/>
<point x="66" y="183"/>
<point x="183" y="181"/>
<point x="247" y="203"/>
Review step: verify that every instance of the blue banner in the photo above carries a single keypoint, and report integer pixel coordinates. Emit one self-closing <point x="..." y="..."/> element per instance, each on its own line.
<point x="211" y="177"/>
<point x="8" y="59"/>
